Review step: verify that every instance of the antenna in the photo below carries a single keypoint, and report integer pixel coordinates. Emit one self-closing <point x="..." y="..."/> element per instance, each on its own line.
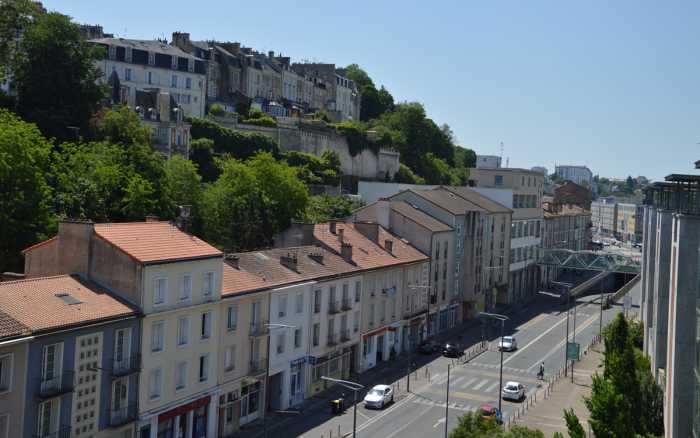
<point x="507" y="161"/>
<point x="501" y="151"/>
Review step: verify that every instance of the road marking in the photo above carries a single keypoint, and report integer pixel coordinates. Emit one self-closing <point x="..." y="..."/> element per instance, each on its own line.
<point x="540" y="336"/>
<point x="457" y="380"/>
<point x="385" y="413"/>
<point x="482" y="383"/>
<point x="492" y="387"/>
<point x="400" y="429"/>
<point x="439" y="422"/>
<point x="468" y="382"/>
<point x="366" y="417"/>
<point x="436" y="377"/>
<point x="579" y="329"/>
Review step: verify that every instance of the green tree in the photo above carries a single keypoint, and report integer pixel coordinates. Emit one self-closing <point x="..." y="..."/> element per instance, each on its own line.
<point x="472" y="425"/>
<point x="573" y="424"/>
<point x="15" y="16"/>
<point x="610" y="414"/>
<point x="121" y="125"/>
<point x="356" y="74"/>
<point x="435" y="170"/>
<point x="630" y="184"/>
<point x="323" y="208"/>
<point x="139" y="200"/>
<point x="56" y="76"/>
<point x="239" y="145"/>
<point x="202" y="155"/>
<point x="405" y="175"/>
<point x="25" y="216"/>
<point x="183" y="186"/>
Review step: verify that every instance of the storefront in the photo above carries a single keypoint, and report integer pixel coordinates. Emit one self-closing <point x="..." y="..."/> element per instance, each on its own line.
<point x="187" y="420"/>
<point x="335" y="365"/>
<point x="297" y="382"/>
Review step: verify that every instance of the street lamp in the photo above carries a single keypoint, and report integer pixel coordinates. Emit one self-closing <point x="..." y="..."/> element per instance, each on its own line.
<point x="503" y="320"/>
<point x="566" y="344"/>
<point x="267" y="368"/>
<point x="354" y="386"/>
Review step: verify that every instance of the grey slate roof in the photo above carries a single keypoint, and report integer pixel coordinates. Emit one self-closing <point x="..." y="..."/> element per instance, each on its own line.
<point x="477" y="198"/>
<point x="447" y="200"/>
<point x="148" y="45"/>
<point x="423" y="219"/>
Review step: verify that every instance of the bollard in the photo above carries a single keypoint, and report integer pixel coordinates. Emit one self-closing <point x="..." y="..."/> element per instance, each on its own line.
<point x="330" y="434"/>
<point x="339" y="431"/>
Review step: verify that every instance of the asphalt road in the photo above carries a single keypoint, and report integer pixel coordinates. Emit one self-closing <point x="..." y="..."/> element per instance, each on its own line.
<point x="421" y="413"/>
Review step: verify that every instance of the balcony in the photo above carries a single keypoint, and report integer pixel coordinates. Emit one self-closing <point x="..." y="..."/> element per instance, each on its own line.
<point x="332" y="339"/>
<point x="333" y="307"/>
<point x="126" y="365"/>
<point x="257" y="367"/>
<point x="347" y="304"/>
<point x="258" y="328"/>
<point x="344" y="335"/>
<point x="121" y="416"/>
<point x="61" y="383"/>
<point x="62" y="432"/>
<point x="412" y="313"/>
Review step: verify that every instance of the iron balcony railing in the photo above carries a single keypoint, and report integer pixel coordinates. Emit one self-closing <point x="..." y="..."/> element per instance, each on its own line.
<point x="126" y="365"/>
<point x="347" y="304"/>
<point x="57" y="384"/>
<point x="257" y="366"/>
<point x="333" y="307"/>
<point x="258" y="328"/>
<point x="332" y="339"/>
<point x="122" y="415"/>
<point x="62" y="432"/>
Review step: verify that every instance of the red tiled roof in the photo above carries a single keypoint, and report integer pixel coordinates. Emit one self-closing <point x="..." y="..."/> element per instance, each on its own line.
<point x="365" y="253"/>
<point x="154" y="241"/>
<point x="34" y="303"/>
<point x="10" y="327"/>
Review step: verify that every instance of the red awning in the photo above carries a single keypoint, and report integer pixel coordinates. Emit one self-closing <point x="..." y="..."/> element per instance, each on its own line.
<point x="165" y="416"/>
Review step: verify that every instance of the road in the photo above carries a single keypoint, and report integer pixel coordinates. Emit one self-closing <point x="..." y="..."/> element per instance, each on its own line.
<point x="421" y="413"/>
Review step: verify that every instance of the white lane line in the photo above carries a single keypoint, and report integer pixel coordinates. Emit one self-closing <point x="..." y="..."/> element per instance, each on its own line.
<point x="540" y="336"/>
<point x="482" y="383"/>
<point x="436" y="377"/>
<point x="385" y="413"/>
<point x="559" y="346"/>
<point x="491" y="387"/>
<point x="457" y="380"/>
<point x="467" y="383"/>
<point x="408" y="423"/>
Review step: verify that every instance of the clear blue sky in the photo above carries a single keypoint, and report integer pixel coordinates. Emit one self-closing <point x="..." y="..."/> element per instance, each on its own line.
<point x="610" y="84"/>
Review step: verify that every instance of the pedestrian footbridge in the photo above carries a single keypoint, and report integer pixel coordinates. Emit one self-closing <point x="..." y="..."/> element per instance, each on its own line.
<point x="590" y="260"/>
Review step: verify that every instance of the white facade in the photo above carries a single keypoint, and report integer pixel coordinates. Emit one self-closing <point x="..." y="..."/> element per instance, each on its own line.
<point x="488" y="161"/>
<point x="345" y="99"/>
<point x="577" y="174"/>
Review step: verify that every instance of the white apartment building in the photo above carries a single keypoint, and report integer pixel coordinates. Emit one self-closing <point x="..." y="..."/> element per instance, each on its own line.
<point x="346" y="98"/>
<point x="577" y="174"/>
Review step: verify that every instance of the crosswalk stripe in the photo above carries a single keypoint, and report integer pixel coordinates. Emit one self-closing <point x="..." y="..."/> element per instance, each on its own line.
<point x="467" y="383"/>
<point x="492" y="387"/>
<point x="482" y="383"/>
<point x="457" y="380"/>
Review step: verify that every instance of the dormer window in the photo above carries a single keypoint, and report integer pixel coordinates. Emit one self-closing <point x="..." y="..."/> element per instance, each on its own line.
<point x="173" y="62"/>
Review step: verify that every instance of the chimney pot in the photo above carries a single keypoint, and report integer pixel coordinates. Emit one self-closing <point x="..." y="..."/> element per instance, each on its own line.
<point x="346" y="252"/>
<point x="340" y="234"/>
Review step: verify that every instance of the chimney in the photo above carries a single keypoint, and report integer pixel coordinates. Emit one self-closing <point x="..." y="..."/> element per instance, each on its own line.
<point x="233" y="260"/>
<point x="346" y="252"/>
<point x="181" y="40"/>
<point x="74" y="242"/>
<point x="271" y="54"/>
<point x="289" y="261"/>
<point x="151" y="218"/>
<point x="331" y="226"/>
<point x="389" y="246"/>
<point x="340" y="234"/>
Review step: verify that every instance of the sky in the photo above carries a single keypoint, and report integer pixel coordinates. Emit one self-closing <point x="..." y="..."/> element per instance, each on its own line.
<point x="613" y="85"/>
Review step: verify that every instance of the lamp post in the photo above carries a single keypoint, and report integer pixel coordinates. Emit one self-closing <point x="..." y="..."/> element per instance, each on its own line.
<point x="354" y="386"/>
<point x="568" y="298"/>
<point x="447" y="398"/>
<point x="270" y="327"/>
<point x="503" y="320"/>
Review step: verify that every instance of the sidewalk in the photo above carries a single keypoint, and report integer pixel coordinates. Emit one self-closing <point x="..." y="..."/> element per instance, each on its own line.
<point x="548" y="415"/>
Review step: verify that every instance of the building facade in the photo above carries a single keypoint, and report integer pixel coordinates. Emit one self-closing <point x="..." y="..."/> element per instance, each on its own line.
<point x="581" y="175"/>
<point x="565" y="227"/>
<point x="604" y="217"/>
<point x="488" y="161"/>
<point x="630" y="220"/>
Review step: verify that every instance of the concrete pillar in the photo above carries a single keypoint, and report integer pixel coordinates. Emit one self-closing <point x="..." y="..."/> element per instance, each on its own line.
<point x="648" y="272"/>
<point x="176" y="426"/>
<point x="212" y="411"/>
<point x="190" y="424"/>
<point x="658" y="324"/>
<point x="679" y="397"/>
<point x="154" y="427"/>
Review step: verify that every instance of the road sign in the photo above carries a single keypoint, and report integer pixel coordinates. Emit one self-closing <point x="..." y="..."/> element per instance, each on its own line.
<point x="573" y="350"/>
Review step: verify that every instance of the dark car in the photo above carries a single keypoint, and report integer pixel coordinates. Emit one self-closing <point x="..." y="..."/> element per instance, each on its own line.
<point x="429" y="347"/>
<point x="452" y="349"/>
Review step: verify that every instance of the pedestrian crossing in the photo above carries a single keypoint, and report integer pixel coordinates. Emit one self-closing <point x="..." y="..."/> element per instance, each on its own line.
<point x="441" y="404"/>
<point x="510" y="370"/>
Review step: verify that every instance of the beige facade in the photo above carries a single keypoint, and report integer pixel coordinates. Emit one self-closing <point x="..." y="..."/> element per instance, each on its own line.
<point x="566" y="227"/>
<point x="13" y="378"/>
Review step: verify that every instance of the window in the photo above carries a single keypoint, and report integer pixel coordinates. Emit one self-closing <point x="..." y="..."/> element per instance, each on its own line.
<point x="358" y="290"/>
<point x="317" y="334"/>
<point x="317" y="301"/>
<point x="159" y="290"/>
<point x="155" y="384"/>
<point x="204" y="367"/>
<point x="208" y="284"/>
<point x="300" y="303"/>
<point x="498" y="180"/>
<point x="186" y="287"/>
<point x="371" y="314"/>
<point x="188" y="83"/>
<point x="150" y="77"/>
<point x="157" y="336"/>
<point x="206" y="325"/>
<point x="230" y="358"/>
<point x="122" y="347"/>
<point x="297" y="338"/>
<point x="356" y="322"/>
<point x="180" y="376"/>
<point x="232" y="317"/>
<point x="281" y="341"/>
<point x="437" y="251"/>
<point x="282" y="306"/>
<point x="5" y="374"/>
<point x="183" y="330"/>
<point x="173" y="81"/>
<point x="48" y="417"/>
<point x="127" y="74"/>
<point x="4" y="426"/>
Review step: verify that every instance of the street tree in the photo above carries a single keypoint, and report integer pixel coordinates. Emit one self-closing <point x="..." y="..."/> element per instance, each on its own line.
<point x="55" y="74"/>
<point x="573" y="425"/>
<point x="25" y="216"/>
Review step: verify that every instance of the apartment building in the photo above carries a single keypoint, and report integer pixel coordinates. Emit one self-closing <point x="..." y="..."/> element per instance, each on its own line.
<point x="526" y="227"/>
<point x="565" y="227"/>
<point x="604" y="216"/>
<point x="630" y="220"/>
<point x="85" y="345"/>
<point x="581" y="175"/>
<point x="174" y="280"/>
<point x="568" y="192"/>
<point x="146" y="64"/>
<point x="432" y="238"/>
<point x="341" y="94"/>
<point x="670" y="303"/>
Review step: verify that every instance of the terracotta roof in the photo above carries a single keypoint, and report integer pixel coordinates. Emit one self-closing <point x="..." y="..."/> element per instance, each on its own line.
<point x="447" y="200"/>
<point x="259" y="270"/>
<point x="426" y="221"/>
<point x="46" y="303"/>
<point x="154" y="241"/>
<point x="10" y="327"/>
<point x="367" y="254"/>
<point x="478" y="199"/>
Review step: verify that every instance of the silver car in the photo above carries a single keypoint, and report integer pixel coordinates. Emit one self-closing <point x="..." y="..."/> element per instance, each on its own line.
<point x="513" y="391"/>
<point x="508" y="343"/>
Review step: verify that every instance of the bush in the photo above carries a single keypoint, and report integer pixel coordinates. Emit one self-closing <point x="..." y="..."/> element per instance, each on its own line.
<point x="406" y="176"/>
<point x="356" y="135"/>
<point x="266" y="121"/>
<point x="316" y="170"/>
<point x="240" y="145"/>
<point x="217" y="110"/>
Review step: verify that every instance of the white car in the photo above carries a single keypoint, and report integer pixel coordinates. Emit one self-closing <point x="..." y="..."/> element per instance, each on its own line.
<point x="508" y="343"/>
<point x="513" y="391"/>
<point x="379" y="396"/>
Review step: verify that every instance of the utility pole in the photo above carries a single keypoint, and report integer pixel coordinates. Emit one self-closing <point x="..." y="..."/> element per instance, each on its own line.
<point x="447" y="398"/>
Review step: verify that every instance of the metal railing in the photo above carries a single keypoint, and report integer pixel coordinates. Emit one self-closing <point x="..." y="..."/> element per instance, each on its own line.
<point x="332" y="339"/>
<point x="57" y="384"/>
<point x="333" y="307"/>
<point x="259" y="328"/>
<point x="126" y="365"/>
<point x="347" y="304"/>
<point x="345" y="335"/>
<point x="121" y="416"/>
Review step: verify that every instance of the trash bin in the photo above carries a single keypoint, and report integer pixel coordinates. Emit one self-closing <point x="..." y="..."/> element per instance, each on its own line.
<point x="337" y="406"/>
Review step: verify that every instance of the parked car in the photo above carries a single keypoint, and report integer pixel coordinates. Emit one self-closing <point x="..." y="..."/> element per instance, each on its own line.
<point x="490" y="413"/>
<point x="379" y="396"/>
<point x="508" y="343"/>
<point x="429" y="347"/>
<point x="513" y="391"/>
<point x="452" y="349"/>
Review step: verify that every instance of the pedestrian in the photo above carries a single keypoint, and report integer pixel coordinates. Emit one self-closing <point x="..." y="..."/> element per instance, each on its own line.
<point x="540" y="374"/>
